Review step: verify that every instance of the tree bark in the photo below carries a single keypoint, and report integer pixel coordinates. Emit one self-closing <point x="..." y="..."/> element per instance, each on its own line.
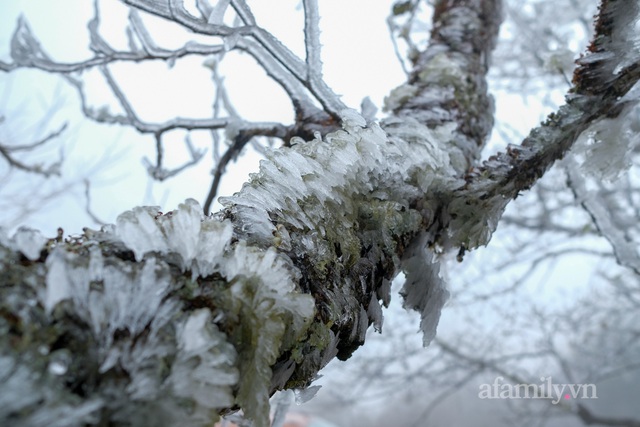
<point x="171" y="319"/>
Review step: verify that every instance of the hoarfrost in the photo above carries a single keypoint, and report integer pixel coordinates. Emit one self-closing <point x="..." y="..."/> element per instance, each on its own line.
<point x="298" y="201"/>
<point x="296" y="188"/>
<point x="424" y="290"/>
<point x="139" y="231"/>
<point x="24" y="46"/>
<point x="42" y="405"/>
<point x="210" y="382"/>
<point x="126" y="300"/>
<point x="281" y="403"/>
<point x="30" y="242"/>
<point x="375" y="313"/>
<point x="604" y="149"/>
<point x="360" y="159"/>
<point x="613" y="227"/>
<point x="352" y="120"/>
<point x="199" y="241"/>
<point x="57" y="281"/>
<point x="306" y="394"/>
<point x="399" y="96"/>
<point x="368" y="109"/>
<point x="264" y="298"/>
<point x="312" y="39"/>
<point x="442" y="68"/>
<point x="626" y="35"/>
<point x="621" y="48"/>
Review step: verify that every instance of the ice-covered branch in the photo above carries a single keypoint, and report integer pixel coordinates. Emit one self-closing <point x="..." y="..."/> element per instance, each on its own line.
<point x="312" y="39"/>
<point x="277" y="60"/>
<point x="602" y="85"/>
<point x="169" y="319"/>
<point x="602" y="213"/>
<point x="601" y="81"/>
<point x="448" y="81"/>
<point x="294" y="67"/>
<point x="158" y="172"/>
<point x="240" y="139"/>
<point x="172" y="319"/>
<point x="26" y="52"/>
<point x="7" y="152"/>
<point x="141" y="343"/>
<point x="401" y="24"/>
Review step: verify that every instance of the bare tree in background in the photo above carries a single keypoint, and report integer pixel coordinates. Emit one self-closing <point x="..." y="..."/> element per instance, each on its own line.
<point x="171" y="319"/>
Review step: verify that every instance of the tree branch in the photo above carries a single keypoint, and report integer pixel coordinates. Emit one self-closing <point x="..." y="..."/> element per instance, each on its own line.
<point x="172" y="319"/>
<point x="6" y="151"/>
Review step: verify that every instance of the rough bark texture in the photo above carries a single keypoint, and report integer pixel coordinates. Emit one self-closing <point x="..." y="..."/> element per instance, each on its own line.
<point x="171" y="319"/>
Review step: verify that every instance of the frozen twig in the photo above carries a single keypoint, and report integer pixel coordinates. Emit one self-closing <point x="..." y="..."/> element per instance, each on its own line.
<point x="6" y="151"/>
<point x="624" y="247"/>
<point x="159" y="172"/>
<point x="239" y="142"/>
<point x="312" y="39"/>
<point x="87" y="205"/>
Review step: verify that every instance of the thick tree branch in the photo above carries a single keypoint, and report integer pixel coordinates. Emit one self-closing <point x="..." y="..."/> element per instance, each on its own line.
<point x="604" y="76"/>
<point x="258" y="298"/>
<point x="172" y="319"/>
<point x="448" y="82"/>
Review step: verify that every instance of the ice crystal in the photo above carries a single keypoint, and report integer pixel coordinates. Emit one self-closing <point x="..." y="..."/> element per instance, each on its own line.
<point x="263" y="296"/>
<point x="362" y="168"/>
<point x="424" y="290"/>
<point x="604" y="149"/>
<point x="199" y="242"/>
<point x="30" y="242"/>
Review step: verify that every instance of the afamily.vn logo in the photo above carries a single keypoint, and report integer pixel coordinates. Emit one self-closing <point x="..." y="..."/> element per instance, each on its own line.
<point x="547" y="389"/>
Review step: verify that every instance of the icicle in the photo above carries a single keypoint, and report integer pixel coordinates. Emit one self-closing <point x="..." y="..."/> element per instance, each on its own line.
<point x="424" y="290"/>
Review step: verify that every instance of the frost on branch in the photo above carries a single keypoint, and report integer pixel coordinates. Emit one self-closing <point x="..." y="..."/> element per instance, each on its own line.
<point x="169" y="319"/>
<point x="189" y="329"/>
<point x="424" y="290"/>
<point x="29" y="242"/>
<point x="604" y="149"/>
<point x="351" y="204"/>
<point x="265" y="304"/>
<point x="200" y="244"/>
<point x="25" y="48"/>
<point x="613" y="55"/>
